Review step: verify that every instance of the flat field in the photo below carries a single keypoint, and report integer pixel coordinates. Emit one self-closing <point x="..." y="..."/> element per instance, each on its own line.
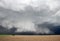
<point x="30" y="38"/>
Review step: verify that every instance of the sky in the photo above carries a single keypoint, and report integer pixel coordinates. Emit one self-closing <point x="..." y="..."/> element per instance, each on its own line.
<point x="39" y="16"/>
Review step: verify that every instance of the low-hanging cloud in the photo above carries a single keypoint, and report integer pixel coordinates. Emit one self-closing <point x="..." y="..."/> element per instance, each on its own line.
<point x="30" y="15"/>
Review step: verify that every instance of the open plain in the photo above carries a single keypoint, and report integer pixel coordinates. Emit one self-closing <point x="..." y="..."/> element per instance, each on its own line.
<point x="30" y="38"/>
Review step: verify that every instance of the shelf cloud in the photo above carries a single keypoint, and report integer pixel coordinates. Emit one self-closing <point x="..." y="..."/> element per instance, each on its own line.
<point x="38" y="16"/>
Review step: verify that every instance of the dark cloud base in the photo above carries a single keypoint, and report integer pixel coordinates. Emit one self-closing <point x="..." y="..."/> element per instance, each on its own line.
<point x="55" y="29"/>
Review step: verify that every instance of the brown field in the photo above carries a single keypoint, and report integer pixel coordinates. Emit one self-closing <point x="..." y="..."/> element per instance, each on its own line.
<point x="30" y="38"/>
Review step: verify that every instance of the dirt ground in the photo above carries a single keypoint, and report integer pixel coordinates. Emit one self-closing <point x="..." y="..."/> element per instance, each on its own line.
<point x="30" y="38"/>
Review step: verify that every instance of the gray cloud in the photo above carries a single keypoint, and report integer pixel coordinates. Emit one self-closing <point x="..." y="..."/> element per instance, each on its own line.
<point x="27" y="15"/>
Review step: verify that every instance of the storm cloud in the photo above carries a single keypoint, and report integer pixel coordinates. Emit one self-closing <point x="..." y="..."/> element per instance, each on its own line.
<point x="30" y="15"/>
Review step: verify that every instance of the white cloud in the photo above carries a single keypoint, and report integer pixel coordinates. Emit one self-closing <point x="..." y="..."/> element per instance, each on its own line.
<point x="20" y="4"/>
<point x="14" y="4"/>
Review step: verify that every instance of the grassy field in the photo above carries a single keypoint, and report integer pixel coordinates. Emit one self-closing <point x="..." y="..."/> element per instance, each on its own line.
<point x="30" y="38"/>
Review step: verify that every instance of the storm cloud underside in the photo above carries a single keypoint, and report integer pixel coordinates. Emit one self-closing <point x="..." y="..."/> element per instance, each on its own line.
<point x="30" y="15"/>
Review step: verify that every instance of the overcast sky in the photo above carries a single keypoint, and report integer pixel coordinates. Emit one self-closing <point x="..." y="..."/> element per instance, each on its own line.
<point x="26" y="15"/>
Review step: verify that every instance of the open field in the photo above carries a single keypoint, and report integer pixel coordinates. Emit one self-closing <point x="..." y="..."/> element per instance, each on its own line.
<point x="30" y="38"/>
